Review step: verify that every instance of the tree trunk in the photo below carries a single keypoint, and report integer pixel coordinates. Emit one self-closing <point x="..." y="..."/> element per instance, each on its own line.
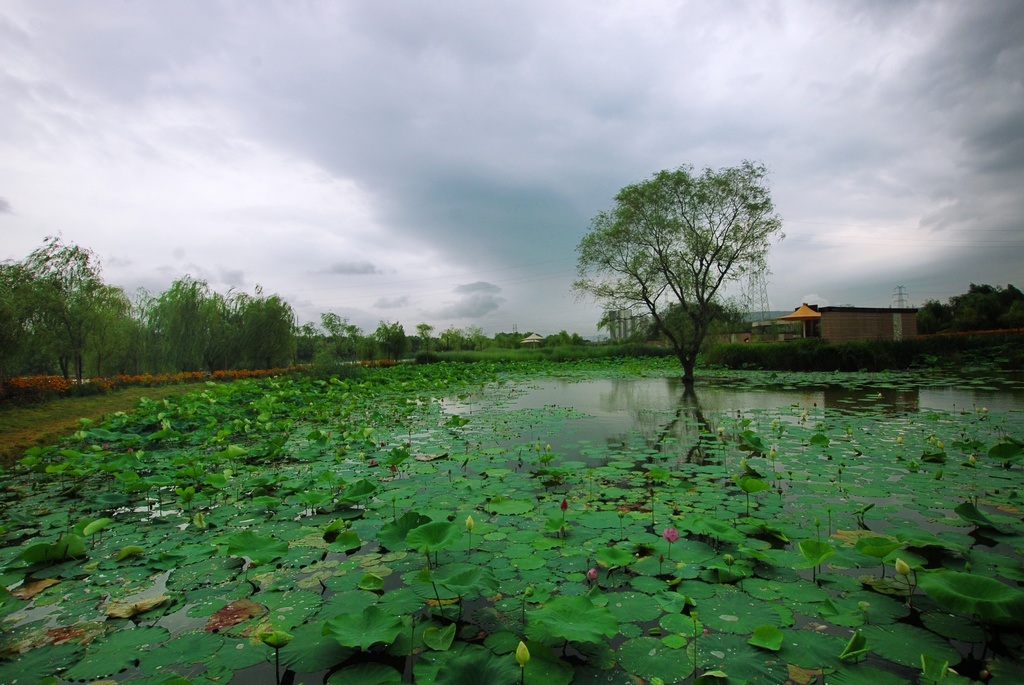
<point x="688" y="361"/>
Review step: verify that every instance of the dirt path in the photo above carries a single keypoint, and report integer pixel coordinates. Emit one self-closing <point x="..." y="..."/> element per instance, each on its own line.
<point x="45" y="424"/>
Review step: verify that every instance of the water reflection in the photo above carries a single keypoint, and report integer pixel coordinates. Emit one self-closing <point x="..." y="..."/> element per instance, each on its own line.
<point x="662" y="415"/>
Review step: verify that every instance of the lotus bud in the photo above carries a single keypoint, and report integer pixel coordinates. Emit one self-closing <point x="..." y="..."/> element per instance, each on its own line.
<point x="522" y="655"/>
<point x="940" y="444"/>
<point x="565" y="504"/>
<point x="899" y="440"/>
<point x="547" y="448"/>
<point x="771" y="453"/>
<point x="470" y="525"/>
<point x="529" y="591"/>
<point x="728" y="559"/>
<point x="275" y="638"/>
<point x="592" y="574"/>
<point x="972" y="459"/>
<point x="902" y="567"/>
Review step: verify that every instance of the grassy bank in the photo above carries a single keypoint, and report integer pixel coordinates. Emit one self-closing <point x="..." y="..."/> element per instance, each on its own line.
<point x="45" y="424"/>
<point x="562" y="353"/>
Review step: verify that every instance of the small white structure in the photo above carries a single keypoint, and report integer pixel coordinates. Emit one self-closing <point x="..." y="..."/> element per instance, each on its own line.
<point x="532" y="339"/>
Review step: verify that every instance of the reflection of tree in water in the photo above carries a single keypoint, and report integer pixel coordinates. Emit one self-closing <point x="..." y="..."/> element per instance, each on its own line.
<point x="684" y="432"/>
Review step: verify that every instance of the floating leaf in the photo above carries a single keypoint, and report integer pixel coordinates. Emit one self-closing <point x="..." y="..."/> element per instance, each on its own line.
<point x="439" y="639"/>
<point x="968" y="593"/>
<point x="433" y="536"/>
<point x="259" y="549"/>
<point x="573" y="618"/>
<point x="766" y="637"/>
<point x="130" y="609"/>
<point x="363" y="630"/>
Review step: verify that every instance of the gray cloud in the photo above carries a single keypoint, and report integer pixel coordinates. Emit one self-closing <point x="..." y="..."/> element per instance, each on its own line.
<point x="474" y="300"/>
<point x="458" y="143"/>
<point x="352" y="268"/>
<point x="5" y="206"/>
<point x="391" y="302"/>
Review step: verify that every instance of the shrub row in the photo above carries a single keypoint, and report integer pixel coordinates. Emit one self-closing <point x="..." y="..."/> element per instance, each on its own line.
<point x="1005" y="350"/>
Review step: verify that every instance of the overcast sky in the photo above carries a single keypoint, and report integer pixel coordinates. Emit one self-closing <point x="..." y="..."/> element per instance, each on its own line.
<point x="439" y="161"/>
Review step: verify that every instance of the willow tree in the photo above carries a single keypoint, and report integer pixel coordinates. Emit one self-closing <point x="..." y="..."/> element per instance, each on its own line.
<point x="671" y="243"/>
<point x="66" y="293"/>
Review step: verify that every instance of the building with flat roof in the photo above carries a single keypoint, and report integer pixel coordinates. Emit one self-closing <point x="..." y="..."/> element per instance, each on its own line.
<point x="846" y="324"/>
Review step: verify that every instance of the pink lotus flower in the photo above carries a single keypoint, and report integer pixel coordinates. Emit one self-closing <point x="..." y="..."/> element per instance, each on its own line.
<point x="373" y="462"/>
<point x="670" y="535"/>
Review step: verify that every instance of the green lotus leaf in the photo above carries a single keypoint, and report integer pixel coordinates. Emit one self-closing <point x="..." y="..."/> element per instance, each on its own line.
<point x="613" y="557"/>
<point x="575" y="618"/>
<point x="347" y="542"/>
<point x="70" y="546"/>
<point x="862" y="674"/>
<point x="115" y="653"/>
<point x="433" y="536"/>
<point x="392" y="534"/>
<point x="766" y="637"/>
<point x="750" y="485"/>
<point x="87" y="528"/>
<point x="815" y="551"/>
<point x="363" y="630"/>
<point x="478" y="666"/>
<point x="904" y="644"/>
<point x="968" y="593"/>
<point x="855" y="648"/>
<point x="312" y="650"/>
<point x="649" y="657"/>
<point x="357" y="491"/>
<point x="259" y="549"/>
<point x="366" y="674"/>
<point x="970" y="513"/>
<point x="499" y="504"/>
<point x="439" y="639"/>
<point x="877" y="546"/>
<point x="464" y="579"/>
<point x="1010" y="450"/>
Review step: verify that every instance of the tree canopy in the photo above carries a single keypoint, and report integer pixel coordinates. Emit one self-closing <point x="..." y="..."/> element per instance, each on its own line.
<point x="669" y="245"/>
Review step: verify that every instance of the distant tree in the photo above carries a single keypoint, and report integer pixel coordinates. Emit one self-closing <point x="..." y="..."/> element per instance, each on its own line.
<point x="982" y="307"/>
<point x="15" y="313"/>
<point x="112" y="329"/>
<point x="343" y="339"/>
<point x="670" y="243"/>
<point x="1014" y="316"/>
<point x="184" y="322"/>
<point x="267" y="326"/>
<point x="933" y="317"/>
<point x="391" y="339"/>
<point x="507" y="341"/>
<point x="423" y="331"/>
<point x="66" y="287"/>
<point x="474" y="335"/>
<point x="452" y="339"/>
<point x="307" y="338"/>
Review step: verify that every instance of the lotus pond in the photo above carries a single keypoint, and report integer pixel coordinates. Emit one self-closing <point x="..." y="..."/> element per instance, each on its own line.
<point x="538" y="523"/>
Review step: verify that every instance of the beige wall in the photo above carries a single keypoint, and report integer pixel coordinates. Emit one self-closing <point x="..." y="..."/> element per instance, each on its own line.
<point x="844" y="326"/>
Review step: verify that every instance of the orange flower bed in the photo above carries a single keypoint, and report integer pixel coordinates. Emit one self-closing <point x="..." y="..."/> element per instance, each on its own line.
<point x="38" y="388"/>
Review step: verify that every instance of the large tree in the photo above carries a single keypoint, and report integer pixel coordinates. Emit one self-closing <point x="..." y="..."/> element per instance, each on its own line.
<point x="670" y="243"/>
<point x="66" y="294"/>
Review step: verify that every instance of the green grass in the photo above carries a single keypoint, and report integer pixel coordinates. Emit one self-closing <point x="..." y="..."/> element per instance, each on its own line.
<point x="45" y="424"/>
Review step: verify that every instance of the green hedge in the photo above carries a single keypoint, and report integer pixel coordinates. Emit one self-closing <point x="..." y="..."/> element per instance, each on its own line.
<point x="1004" y="350"/>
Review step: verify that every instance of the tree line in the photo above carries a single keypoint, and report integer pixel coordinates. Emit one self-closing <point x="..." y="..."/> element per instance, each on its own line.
<point x="59" y="317"/>
<point x="981" y="308"/>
